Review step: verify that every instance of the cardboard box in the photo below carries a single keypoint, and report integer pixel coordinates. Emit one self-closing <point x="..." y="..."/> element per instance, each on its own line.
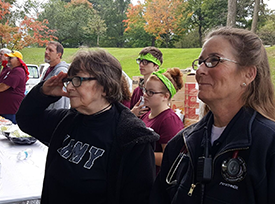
<point x="191" y="89"/>
<point x="191" y="101"/>
<point x="190" y="78"/>
<point x="136" y="81"/>
<point x="179" y="96"/>
<point x="177" y="105"/>
<point x="188" y="122"/>
<point x="191" y="113"/>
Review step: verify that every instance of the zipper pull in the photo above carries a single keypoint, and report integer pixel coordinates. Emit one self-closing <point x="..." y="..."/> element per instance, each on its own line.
<point x="193" y="186"/>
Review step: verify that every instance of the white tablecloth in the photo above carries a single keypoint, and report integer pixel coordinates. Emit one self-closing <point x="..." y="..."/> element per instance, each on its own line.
<point x="21" y="180"/>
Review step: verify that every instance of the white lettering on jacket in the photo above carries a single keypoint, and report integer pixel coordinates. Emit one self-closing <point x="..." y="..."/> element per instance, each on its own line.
<point x="229" y="185"/>
<point x="75" y="151"/>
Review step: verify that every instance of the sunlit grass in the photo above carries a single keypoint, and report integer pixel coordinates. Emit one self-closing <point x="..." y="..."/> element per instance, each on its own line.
<point x="181" y="58"/>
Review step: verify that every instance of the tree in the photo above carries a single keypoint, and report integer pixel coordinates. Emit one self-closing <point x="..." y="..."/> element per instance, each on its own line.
<point x="255" y="16"/>
<point x="71" y="20"/>
<point x="135" y="34"/>
<point x="27" y="33"/>
<point x="163" y="18"/>
<point x="232" y="11"/>
<point x="203" y="15"/>
<point x="97" y="26"/>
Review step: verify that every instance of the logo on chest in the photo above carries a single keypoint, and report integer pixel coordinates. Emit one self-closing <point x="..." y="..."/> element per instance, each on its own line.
<point x="234" y="169"/>
<point x="74" y="152"/>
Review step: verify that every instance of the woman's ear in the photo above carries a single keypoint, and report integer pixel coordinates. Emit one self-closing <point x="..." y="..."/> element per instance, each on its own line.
<point x="250" y="74"/>
<point x="167" y="95"/>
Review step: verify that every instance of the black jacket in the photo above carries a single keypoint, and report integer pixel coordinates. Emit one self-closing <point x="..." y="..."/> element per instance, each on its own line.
<point x="243" y="167"/>
<point x="131" y="161"/>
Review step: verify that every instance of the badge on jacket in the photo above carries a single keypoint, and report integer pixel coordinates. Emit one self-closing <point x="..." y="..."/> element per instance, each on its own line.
<point x="234" y="169"/>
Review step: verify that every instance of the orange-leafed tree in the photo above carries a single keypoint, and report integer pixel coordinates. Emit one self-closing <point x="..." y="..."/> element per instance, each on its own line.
<point x="30" y="31"/>
<point x="163" y="18"/>
<point x="135" y="22"/>
<point x="135" y="17"/>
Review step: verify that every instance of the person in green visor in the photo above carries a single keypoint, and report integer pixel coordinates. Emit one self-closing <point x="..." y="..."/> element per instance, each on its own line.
<point x="149" y="61"/>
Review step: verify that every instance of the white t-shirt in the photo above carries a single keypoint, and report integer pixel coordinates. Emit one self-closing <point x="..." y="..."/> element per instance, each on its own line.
<point x="216" y="133"/>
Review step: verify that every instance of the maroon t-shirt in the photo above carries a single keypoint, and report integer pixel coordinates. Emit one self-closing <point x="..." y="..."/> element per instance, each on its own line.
<point x="126" y="103"/>
<point x="11" y="99"/>
<point x="4" y="71"/>
<point x="136" y="96"/>
<point x="167" y="124"/>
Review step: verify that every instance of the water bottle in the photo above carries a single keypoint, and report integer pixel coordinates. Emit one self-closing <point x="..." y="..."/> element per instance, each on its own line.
<point x="142" y="102"/>
<point x="25" y="154"/>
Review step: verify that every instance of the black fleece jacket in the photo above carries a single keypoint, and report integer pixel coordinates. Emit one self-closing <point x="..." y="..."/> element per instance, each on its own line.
<point x="248" y="142"/>
<point x="130" y="167"/>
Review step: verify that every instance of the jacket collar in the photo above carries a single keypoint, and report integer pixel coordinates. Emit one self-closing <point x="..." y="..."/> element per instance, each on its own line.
<point x="238" y="131"/>
<point x="131" y="129"/>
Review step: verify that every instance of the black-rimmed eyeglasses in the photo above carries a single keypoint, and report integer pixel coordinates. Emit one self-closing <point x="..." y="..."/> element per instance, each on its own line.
<point x="76" y="81"/>
<point x="210" y="62"/>
<point x="144" y="61"/>
<point x="151" y="93"/>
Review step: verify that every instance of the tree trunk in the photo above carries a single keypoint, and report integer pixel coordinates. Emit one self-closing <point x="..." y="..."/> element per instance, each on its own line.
<point x="153" y="41"/>
<point x="200" y="35"/>
<point x="255" y="16"/>
<point x="97" y="40"/>
<point x="231" y="14"/>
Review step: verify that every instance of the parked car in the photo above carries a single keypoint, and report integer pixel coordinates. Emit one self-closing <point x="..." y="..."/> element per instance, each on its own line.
<point x="34" y="77"/>
<point x="43" y="67"/>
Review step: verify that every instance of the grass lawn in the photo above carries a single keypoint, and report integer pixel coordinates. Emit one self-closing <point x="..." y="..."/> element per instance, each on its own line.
<point x="181" y="58"/>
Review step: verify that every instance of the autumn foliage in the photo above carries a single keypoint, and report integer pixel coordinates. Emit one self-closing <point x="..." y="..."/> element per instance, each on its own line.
<point x="134" y="17"/>
<point x="29" y="31"/>
<point x="161" y="18"/>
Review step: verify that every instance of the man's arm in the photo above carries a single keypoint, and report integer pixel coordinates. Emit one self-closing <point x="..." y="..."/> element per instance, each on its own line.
<point x="3" y="87"/>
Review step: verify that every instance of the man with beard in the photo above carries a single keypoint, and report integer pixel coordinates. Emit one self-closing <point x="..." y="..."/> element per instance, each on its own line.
<point x="53" y="55"/>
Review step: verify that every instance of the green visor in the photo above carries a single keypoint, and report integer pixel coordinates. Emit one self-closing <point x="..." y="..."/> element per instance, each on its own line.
<point x="166" y="81"/>
<point x="149" y="57"/>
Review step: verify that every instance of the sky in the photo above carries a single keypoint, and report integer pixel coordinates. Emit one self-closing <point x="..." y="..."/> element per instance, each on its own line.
<point x="270" y="3"/>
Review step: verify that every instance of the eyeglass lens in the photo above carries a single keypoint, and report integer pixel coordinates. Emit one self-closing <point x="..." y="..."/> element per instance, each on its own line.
<point x="144" y="62"/>
<point x="209" y="62"/>
<point x="76" y="81"/>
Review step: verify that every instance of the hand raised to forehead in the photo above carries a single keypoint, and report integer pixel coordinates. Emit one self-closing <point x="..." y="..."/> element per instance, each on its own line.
<point x="54" y="85"/>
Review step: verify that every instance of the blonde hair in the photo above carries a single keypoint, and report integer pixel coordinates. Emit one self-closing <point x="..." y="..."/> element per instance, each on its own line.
<point x="250" y="51"/>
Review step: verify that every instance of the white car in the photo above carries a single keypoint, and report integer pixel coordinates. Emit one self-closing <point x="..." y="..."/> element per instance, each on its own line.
<point x="34" y="77"/>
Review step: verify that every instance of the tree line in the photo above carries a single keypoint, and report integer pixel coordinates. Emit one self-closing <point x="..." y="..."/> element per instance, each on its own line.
<point x="118" y="23"/>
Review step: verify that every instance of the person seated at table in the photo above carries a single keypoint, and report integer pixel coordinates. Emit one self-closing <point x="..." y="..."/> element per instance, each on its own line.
<point x="159" y="89"/>
<point x="229" y="155"/>
<point x="12" y="85"/>
<point x="99" y="152"/>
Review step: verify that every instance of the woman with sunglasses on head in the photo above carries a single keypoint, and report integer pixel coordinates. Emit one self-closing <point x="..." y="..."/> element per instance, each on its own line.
<point x="159" y="88"/>
<point x="229" y="155"/>
<point x="149" y="61"/>
<point x="99" y="152"/>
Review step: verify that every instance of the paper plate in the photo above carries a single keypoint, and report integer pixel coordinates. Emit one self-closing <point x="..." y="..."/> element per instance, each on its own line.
<point x="21" y="140"/>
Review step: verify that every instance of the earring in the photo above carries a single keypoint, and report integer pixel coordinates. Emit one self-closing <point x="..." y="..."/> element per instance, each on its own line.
<point x="244" y="84"/>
